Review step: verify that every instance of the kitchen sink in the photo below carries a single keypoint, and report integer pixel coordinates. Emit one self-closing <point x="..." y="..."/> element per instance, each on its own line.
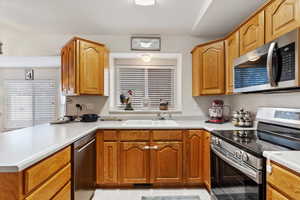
<point x="150" y="123"/>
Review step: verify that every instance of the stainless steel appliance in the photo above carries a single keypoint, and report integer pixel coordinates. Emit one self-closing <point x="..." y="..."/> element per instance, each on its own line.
<point x="237" y="165"/>
<point x="270" y="67"/>
<point x="84" y="170"/>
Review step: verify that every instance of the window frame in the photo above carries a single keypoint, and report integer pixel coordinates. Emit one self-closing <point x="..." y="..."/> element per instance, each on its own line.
<point x="113" y="86"/>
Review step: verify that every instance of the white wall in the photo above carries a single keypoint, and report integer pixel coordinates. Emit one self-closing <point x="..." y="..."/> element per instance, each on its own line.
<point x="27" y="44"/>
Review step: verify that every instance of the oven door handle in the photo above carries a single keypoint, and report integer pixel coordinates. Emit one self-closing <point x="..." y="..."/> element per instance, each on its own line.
<point x="270" y="65"/>
<point x="254" y="175"/>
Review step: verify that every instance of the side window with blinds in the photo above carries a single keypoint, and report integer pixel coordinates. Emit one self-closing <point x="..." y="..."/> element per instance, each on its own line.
<point x="29" y="103"/>
<point x="148" y="83"/>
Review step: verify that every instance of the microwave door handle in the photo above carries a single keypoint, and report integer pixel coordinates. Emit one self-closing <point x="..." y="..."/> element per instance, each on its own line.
<point x="270" y="64"/>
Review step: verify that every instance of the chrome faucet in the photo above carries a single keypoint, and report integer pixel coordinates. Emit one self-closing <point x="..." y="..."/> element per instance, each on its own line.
<point x="164" y="115"/>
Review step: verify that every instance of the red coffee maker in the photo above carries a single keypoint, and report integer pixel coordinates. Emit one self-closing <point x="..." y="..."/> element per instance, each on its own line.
<point x="216" y="112"/>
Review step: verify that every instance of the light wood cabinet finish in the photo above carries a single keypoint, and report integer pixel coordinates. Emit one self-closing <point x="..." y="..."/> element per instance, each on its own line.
<point x="209" y="69"/>
<point x="282" y="16"/>
<point x="194" y="156"/>
<point x="135" y="135"/>
<point x="232" y="51"/>
<point x="52" y="186"/>
<point x="91" y="68"/>
<point x="166" y="162"/>
<point x="64" y="194"/>
<point x="110" y="135"/>
<point x="272" y="194"/>
<point x="83" y="64"/>
<point x="167" y="135"/>
<point x="206" y="160"/>
<point x="252" y="34"/>
<point x="42" y="171"/>
<point x="110" y="162"/>
<point x="11" y="186"/>
<point x="284" y="180"/>
<point x="134" y="166"/>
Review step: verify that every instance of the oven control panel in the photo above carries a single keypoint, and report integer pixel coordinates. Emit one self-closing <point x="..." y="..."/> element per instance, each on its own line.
<point x="236" y="153"/>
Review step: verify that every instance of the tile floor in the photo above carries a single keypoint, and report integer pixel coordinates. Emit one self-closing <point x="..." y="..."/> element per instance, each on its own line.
<point x="136" y="194"/>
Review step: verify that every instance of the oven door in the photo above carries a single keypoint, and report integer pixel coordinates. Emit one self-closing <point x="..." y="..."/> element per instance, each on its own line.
<point x="233" y="182"/>
<point x="270" y="67"/>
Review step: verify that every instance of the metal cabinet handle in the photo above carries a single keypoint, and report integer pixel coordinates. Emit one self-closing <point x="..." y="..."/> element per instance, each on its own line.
<point x="270" y="64"/>
<point x="146" y="147"/>
<point x="154" y="147"/>
<point x="269" y="169"/>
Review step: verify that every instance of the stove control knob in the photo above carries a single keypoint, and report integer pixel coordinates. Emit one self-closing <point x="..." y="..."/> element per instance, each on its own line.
<point x="238" y="154"/>
<point x="245" y="157"/>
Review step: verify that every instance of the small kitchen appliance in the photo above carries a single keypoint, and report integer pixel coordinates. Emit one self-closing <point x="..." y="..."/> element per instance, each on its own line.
<point x="216" y="112"/>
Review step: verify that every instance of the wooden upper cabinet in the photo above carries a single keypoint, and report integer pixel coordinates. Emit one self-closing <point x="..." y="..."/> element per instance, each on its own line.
<point x="194" y="156"/>
<point x="91" y="68"/>
<point x="282" y="16"/>
<point x="166" y="162"/>
<point x="252" y="33"/>
<point x="209" y="69"/>
<point x="232" y="48"/>
<point x="83" y="64"/>
<point x="134" y="166"/>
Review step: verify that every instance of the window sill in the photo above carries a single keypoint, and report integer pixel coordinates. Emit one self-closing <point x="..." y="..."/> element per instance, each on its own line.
<point x="144" y="111"/>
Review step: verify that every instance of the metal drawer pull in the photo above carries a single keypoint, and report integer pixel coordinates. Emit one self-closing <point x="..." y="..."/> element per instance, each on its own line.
<point x="154" y="147"/>
<point x="146" y="147"/>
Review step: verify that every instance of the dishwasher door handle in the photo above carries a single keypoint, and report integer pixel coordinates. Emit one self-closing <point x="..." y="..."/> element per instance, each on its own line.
<point x="86" y="145"/>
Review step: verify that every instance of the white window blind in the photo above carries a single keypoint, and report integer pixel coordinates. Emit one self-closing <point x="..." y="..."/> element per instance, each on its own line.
<point x="29" y="103"/>
<point x="146" y="82"/>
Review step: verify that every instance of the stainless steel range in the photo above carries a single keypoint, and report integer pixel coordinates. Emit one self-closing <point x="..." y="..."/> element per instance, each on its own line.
<point x="237" y="165"/>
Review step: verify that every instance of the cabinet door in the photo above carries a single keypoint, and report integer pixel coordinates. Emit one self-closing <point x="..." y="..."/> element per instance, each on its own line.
<point x="282" y="16"/>
<point x="134" y="166"/>
<point x="212" y="69"/>
<point x="232" y="52"/>
<point x="194" y="156"/>
<point x="196" y="79"/>
<point x="91" y="68"/>
<point x="166" y="162"/>
<point x="272" y="194"/>
<point x="64" y="70"/>
<point x="71" y="51"/>
<point x="206" y="159"/>
<point x="252" y="34"/>
<point x="110" y="163"/>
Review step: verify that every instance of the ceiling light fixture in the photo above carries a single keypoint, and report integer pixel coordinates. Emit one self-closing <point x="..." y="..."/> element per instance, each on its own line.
<point x="144" y="2"/>
<point x="146" y="58"/>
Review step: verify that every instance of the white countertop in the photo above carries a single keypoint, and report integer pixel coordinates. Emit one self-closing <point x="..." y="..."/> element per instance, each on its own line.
<point x="289" y="159"/>
<point x="22" y="148"/>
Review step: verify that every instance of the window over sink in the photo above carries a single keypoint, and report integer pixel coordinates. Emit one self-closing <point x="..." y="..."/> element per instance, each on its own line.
<point x="150" y="81"/>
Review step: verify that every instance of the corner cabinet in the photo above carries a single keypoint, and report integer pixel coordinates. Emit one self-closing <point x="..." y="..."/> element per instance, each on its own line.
<point x="232" y="51"/>
<point x="83" y="64"/>
<point x="209" y="69"/>
<point x="252" y="34"/>
<point x="127" y="158"/>
<point x="282" y="16"/>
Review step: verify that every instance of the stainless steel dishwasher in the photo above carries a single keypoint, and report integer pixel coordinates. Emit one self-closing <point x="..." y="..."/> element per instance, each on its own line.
<point x="84" y="168"/>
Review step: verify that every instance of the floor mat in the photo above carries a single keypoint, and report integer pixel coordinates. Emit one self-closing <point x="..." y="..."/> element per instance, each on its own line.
<point x="171" y="198"/>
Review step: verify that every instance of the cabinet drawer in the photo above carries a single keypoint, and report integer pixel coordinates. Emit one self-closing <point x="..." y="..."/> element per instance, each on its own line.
<point x="110" y="135"/>
<point x="274" y="195"/>
<point x="40" y="172"/>
<point x="167" y="135"/>
<point x="285" y="181"/>
<point x="53" y="185"/>
<point x="64" y="194"/>
<point x="135" y="135"/>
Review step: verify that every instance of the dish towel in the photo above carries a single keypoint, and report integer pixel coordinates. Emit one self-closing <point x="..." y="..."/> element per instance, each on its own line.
<point x="171" y="198"/>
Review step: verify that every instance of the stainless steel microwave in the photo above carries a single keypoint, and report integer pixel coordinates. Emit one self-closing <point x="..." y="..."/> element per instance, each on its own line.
<point x="270" y="67"/>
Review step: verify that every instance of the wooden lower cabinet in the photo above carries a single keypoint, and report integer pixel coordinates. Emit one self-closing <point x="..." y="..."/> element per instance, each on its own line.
<point x="272" y="194"/>
<point x="134" y="165"/>
<point x="194" y="158"/>
<point x="48" y="179"/>
<point x="166" y="162"/>
<point x="158" y="157"/>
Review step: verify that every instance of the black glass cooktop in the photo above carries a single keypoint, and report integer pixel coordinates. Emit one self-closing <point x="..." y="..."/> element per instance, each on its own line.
<point x="248" y="141"/>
